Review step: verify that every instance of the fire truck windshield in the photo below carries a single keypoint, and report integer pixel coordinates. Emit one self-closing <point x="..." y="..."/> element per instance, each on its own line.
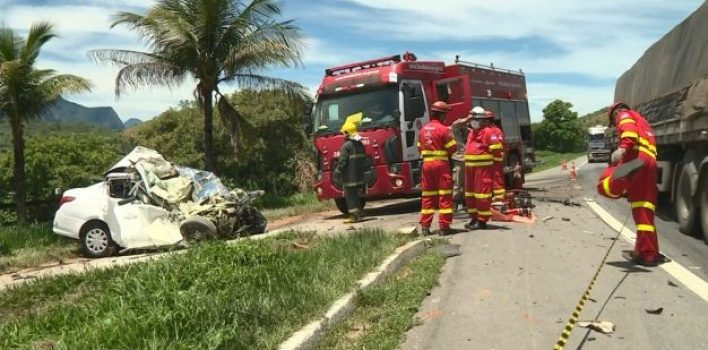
<point x="378" y="107"/>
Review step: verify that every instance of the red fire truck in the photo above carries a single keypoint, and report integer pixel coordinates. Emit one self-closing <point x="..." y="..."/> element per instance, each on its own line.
<point x="394" y="94"/>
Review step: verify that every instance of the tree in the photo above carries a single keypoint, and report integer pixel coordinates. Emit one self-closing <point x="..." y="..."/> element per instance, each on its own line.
<point x="26" y="91"/>
<point x="214" y="42"/>
<point x="559" y="131"/>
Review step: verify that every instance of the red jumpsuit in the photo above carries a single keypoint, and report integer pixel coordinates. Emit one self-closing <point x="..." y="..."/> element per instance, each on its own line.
<point x="436" y="145"/>
<point x="637" y="138"/>
<point x="498" y="188"/>
<point x="482" y="147"/>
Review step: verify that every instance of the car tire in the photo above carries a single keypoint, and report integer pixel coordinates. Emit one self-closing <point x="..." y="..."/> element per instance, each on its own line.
<point x="96" y="241"/>
<point x="686" y="210"/>
<point x="197" y="228"/>
<point x="341" y="204"/>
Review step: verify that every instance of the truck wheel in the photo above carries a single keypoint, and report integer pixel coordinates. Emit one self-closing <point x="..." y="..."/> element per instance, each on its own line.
<point x="341" y="204"/>
<point x="511" y="163"/>
<point x="704" y="210"/>
<point x="686" y="211"/>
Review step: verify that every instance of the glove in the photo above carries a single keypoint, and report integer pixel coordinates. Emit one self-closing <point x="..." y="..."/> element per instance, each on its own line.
<point x="617" y="155"/>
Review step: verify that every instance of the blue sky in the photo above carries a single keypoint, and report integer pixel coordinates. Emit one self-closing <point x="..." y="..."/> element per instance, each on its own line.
<point x="570" y="50"/>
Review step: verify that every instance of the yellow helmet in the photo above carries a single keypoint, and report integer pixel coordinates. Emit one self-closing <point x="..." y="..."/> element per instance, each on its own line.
<point x="349" y="127"/>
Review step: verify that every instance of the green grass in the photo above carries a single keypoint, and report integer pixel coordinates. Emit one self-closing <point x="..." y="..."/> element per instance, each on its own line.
<point x="553" y="159"/>
<point x="32" y="245"/>
<point x="385" y="312"/>
<point x="250" y="295"/>
<point x="275" y="207"/>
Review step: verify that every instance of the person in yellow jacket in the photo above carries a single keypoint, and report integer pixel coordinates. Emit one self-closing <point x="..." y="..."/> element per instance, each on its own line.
<point x="351" y="166"/>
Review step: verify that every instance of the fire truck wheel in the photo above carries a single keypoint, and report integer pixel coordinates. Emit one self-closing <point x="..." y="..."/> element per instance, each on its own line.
<point x="341" y="204"/>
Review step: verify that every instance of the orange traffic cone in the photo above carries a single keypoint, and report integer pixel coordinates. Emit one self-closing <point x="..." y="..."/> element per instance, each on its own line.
<point x="573" y="174"/>
<point x="564" y="165"/>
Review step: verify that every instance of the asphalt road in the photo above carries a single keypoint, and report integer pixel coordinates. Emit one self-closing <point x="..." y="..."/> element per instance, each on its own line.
<point x="689" y="251"/>
<point x="515" y="286"/>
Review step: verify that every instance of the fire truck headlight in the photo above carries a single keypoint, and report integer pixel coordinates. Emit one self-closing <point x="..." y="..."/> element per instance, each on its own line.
<point x="319" y="190"/>
<point x="399" y="182"/>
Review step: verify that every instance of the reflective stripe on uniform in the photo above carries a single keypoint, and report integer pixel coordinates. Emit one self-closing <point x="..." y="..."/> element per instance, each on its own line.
<point x="436" y="193"/>
<point x="496" y="146"/>
<point x="644" y="204"/>
<point x="645" y="150"/>
<point x="432" y="158"/>
<point x="474" y="164"/>
<point x="606" y="187"/>
<point x="450" y="144"/>
<point x="482" y="195"/>
<point x="499" y="191"/>
<point x="499" y="159"/>
<point x="428" y="152"/>
<point x="628" y="120"/>
<point x="485" y="213"/>
<point x="469" y="194"/>
<point x="472" y="210"/>
<point x="629" y="134"/>
<point x="648" y="228"/>
<point x="446" y="211"/>
<point x="478" y="157"/>
<point x="427" y="211"/>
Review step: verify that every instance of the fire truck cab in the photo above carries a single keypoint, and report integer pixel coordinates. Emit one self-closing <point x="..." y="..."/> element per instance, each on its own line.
<point x="394" y="94"/>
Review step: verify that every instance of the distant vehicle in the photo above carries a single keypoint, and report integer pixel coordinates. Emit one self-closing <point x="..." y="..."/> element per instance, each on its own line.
<point x="395" y="93"/>
<point x="669" y="86"/>
<point x="598" y="149"/>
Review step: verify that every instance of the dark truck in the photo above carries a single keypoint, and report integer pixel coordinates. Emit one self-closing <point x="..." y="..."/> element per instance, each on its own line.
<point x="669" y="86"/>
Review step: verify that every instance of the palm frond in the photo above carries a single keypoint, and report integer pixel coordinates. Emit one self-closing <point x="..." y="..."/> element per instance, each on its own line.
<point x="148" y="74"/>
<point x="125" y="57"/>
<point x="9" y="44"/>
<point x="239" y="129"/>
<point x="52" y="88"/>
<point x="260" y="82"/>
<point x="39" y="34"/>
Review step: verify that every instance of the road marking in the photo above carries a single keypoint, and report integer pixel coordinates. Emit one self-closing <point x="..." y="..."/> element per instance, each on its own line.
<point x="682" y="274"/>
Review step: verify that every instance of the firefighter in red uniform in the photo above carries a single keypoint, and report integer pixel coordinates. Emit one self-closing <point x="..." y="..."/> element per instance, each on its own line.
<point x="498" y="188"/>
<point x="482" y="147"/>
<point x="633" y="174"/>
<point x="436" y="145"/>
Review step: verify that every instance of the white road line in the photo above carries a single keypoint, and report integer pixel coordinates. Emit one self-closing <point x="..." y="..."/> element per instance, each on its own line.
<point x="682" y="274"/>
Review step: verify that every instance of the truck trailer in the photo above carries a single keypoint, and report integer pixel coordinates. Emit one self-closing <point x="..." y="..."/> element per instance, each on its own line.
<point x="669" y="86"/>
<point x="394" y="94"/>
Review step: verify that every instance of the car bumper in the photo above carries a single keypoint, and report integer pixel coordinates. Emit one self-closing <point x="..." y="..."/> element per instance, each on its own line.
<point x="67" y="226"/>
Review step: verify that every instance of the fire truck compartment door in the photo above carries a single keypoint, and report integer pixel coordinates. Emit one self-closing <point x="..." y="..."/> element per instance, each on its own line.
<point x="414" y="115"/>
<point x="457" y="93"/>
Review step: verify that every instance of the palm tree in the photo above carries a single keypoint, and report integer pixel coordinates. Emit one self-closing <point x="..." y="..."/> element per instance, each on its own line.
<point x="26" y="91"/>
<point x="214" y="42"/>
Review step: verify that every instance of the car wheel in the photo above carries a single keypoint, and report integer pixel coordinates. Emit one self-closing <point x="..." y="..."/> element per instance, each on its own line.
<point x="686" y="211"/>
<point x="197" y="228"/>
<point x="96" y="241"/>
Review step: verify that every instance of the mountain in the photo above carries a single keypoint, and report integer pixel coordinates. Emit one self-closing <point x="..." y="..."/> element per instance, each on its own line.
<point x="598" y="117"/>
<point x="69" y="112"/>
<point x="132" y="122"/>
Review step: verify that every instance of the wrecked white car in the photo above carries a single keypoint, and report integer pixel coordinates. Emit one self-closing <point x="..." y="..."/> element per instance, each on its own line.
<point x="146" y="202"/>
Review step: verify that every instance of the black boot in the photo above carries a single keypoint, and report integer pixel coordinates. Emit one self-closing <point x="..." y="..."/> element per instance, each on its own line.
<point x="425" y="231"/>
<point x="479" y="225"/>
<point x="471" y="224"/>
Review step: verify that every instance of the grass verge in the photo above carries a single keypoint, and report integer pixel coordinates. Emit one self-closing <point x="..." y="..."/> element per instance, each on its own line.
<point x="552" y="159"/>
<point x="251" y="295"/>
<point x="32" y="245"/>
<point x="275" y="208"/>
<point x="385" y="312"/>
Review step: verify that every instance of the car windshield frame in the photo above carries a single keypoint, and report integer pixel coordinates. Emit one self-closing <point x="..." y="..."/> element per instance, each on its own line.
<point x="379" y="106"/>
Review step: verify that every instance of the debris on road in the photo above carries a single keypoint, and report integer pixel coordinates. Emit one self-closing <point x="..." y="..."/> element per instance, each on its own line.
<point x="547" y="218"/>
<point x="672" y="284"/>
<point x="565" y="201"/>
<point x="604" y="327"/>
<point x="566" y="219"/>
<point x="655" y="311"/>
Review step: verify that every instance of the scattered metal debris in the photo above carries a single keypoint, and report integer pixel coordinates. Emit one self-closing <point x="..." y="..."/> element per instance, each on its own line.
<point x="655" y="311"/>
<point x="604" y="327"/>
<point x="565" y="201"/>
<point x="672" y="284"/>
<point x="565" y="219"/>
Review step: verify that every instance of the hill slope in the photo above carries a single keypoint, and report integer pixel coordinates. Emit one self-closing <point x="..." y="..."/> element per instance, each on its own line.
<point x="70" y="112"/>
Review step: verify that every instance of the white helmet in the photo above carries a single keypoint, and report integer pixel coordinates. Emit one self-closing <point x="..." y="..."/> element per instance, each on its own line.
<point x="477" y="111"/>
